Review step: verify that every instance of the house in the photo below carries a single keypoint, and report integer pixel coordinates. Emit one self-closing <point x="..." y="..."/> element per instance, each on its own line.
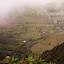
<point x="44" y="30"/>
<point x="24" y="41"/>
<point x="7" y="56"/>
<point x="54" y="20"/>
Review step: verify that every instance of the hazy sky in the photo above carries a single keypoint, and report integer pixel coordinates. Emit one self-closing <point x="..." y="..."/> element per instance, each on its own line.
<point x="7" y="5"/>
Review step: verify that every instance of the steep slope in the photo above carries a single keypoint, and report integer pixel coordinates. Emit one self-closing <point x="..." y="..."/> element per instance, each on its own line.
<point x="56" y="55"/>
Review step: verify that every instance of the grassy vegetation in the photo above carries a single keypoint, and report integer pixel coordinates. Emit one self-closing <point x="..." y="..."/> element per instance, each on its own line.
<point x="28" y="60"/>
<point x="55" y="55"/>
<point x="37" y="30"/>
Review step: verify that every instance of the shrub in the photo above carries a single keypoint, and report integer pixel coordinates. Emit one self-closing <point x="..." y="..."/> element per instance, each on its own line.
<point x="29" y="60"/>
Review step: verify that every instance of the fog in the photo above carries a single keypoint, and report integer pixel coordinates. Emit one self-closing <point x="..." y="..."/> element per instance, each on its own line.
<point x="6" y="6"/>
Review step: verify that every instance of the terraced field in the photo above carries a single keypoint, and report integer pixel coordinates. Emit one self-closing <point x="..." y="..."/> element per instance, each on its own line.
<point x="39" y="32"/>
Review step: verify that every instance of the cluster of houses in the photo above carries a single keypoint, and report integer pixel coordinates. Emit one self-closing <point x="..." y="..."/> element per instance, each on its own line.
<point x="56" y="20"/>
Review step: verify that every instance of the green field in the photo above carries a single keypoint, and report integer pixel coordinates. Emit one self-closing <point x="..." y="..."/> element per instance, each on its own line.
<point x="38" y="31"/>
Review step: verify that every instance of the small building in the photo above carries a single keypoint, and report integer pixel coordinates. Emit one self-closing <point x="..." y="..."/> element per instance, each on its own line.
<point x="7" y="56"/>
<point x="24" y="41"/>
<point x="54" y="20"/>
<point x="47" y="25"/>
<point x="50" y="44"/>
<point x="58" y="20"/>
<point x="43" y="32"/>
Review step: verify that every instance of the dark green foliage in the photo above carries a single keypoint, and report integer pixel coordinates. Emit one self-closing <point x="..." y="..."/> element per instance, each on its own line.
<point x="40" y="61"/>
<point x="14" y="61"/>
<point x="2" y="54"/>
<point x="12" y="47"/>
<point x="28" y="60"/>
<point x="56" y="55"/>
<point x="22" y="51"/>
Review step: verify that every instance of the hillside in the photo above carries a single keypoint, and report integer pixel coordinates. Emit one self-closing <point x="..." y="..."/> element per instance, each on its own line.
<point x="34" y="27"/>
<point x="20" y="28"/>
<point x="56" y="55"/>
<point x="48" y="44"/>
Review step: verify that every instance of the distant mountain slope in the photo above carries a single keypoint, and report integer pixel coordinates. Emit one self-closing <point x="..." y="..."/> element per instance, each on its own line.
<point x="56" y="55"/>
<point x="18" y="29"/>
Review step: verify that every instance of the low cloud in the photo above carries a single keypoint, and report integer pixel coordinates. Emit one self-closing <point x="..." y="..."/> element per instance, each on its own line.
<point x="6" y="6"/>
